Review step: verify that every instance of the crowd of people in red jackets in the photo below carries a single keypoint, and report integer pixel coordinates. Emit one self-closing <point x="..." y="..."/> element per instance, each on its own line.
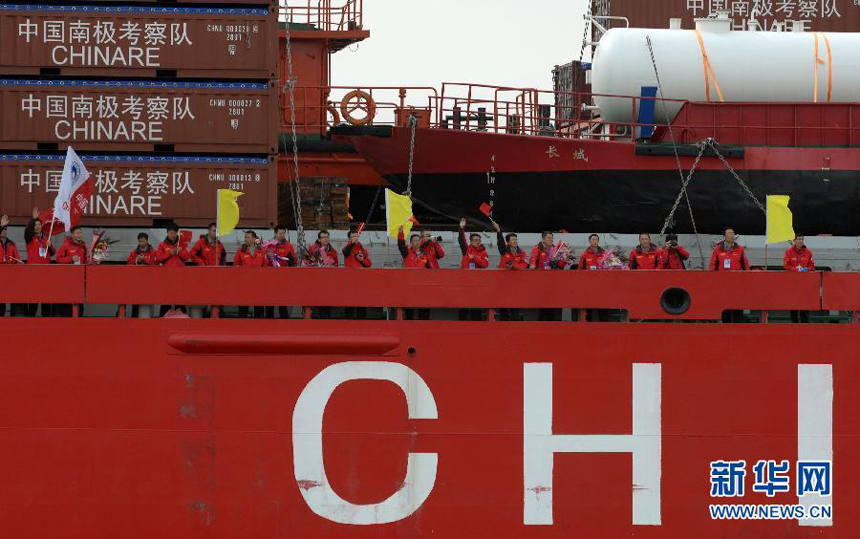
<point x="422" y="252"/>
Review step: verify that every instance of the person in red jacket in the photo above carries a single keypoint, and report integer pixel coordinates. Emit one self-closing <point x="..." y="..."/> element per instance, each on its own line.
<point x="286" y="258"/>
<point x="284" y="249"/>
<point x="673" y="256"/>
<point x="543" y="256"/>
<point x="414" y="258"/>
<point x="646" y="255"/>
<point x="513" y="258"/>
<point x="432" y="247"/>
<point x="9" y="255"/>
<point x="474" y="253"/>
<point x="39" y="251"/>
<point x="171" y="253"/>
<point x="72" y="251"/>
<point x="39" y="247"/>
<point x="354" y="253"/>
<point x="355" y="256"/>
<point x="590" y="259"/>
<point x="321" y="254"/>
<point x="729" y="256"/>
<point x="209" y="251"/>
<point x="798" y="258"/>
<point x="143" y="254"/>
<point x="474" y="257"/>
<point x="250" y="255"/>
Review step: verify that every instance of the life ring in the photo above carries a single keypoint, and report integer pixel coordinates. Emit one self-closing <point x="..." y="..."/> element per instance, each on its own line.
<point x="334" y="114"/>
<point x="358" y="100"/>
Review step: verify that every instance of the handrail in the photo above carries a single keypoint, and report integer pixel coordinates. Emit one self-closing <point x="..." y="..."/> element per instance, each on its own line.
<point x="529" y="111"/>
<point x="638" y="292"/>
<point x="322" y="15"/>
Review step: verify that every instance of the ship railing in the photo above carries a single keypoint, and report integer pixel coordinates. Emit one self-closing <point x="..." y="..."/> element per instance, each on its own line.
<point x="319" y="108"/>
<point x="642" y="295"/>
<point x="323" y="15"/>
<point x="530" y="111"/>
<point x="533" y="112"/>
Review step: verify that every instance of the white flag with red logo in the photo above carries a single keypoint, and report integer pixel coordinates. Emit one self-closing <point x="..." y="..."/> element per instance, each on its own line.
<point x="75" y="191"/>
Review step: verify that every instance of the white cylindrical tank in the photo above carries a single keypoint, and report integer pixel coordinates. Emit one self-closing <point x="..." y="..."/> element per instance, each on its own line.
<point x="748" y="67"/>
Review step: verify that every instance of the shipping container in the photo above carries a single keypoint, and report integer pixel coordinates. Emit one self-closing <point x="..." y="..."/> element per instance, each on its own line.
<point x="816" y="15"/>
<point x="144" y="190"/>
<point x="140" y="41"/>
<point x="139" y="116"/>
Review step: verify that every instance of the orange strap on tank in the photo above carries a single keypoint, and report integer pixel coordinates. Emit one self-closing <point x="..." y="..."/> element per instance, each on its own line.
<point x="829" y="68"/>
<point x="709" y="71"/>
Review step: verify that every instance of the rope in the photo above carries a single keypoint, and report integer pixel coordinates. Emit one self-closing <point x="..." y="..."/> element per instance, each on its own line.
<point x="829" y="68"/>
<point x="373" y="204"/>
<point x="684" y="181"/>
<point x="706" y="65"/>
<point x="294" y="189"/>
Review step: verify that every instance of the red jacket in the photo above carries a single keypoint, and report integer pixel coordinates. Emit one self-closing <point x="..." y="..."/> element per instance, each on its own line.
<point x="9" y="253"/>
<point x="250" y="259"/>
<point x="540" y="258"/>
<point x="69" y="248"/>
<point x="795" y="260"/>
<point x="673" y="259"/>
<point x="285" y="251"/>
<point x="351" y="251"/>
<point x="148" y="257"/>
<point x="33" y="247"/>
<point x="328" y="258"/>
<point x="514" y="260"/>
<point x="590" y="259"/>
<point x="434" y="252"/>
<point x="412" y="258"/>
<point x="645" y="260"/>
<point x="166" y="258"/>
<point x="472" y="255"/>
<point x="204" y="253"/>
<point x="732" y="260"/>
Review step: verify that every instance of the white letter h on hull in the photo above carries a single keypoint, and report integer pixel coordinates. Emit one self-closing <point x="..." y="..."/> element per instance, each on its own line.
<point x="540" y="444"/>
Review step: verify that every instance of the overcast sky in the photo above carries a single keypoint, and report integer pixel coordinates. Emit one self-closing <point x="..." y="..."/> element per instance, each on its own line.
<point x="427" y="42"/>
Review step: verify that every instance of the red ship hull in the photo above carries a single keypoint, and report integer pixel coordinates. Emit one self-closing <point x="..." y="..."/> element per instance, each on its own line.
<point x="546" y="183"/>
<point x="226" y="428"/>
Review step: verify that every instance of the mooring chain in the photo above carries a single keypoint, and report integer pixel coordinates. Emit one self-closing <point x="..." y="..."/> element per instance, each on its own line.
<point x="586" y="23"/>
<point x="746" y="188"/>
<point x="684" y="181"/>
<point x="413" y="123"/>
<point x="294" y="190"/>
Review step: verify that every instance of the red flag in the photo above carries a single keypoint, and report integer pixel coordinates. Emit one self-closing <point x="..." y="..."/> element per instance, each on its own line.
<point x="414" y="221"/>
<point x="486" y="209"/>
<point x="185" y="237"/>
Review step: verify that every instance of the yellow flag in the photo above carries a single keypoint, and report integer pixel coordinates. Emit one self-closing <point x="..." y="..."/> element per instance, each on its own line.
<point x="779" y="220"/>
<point x="398" y="212"/>
<point x="228" y="211"/>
